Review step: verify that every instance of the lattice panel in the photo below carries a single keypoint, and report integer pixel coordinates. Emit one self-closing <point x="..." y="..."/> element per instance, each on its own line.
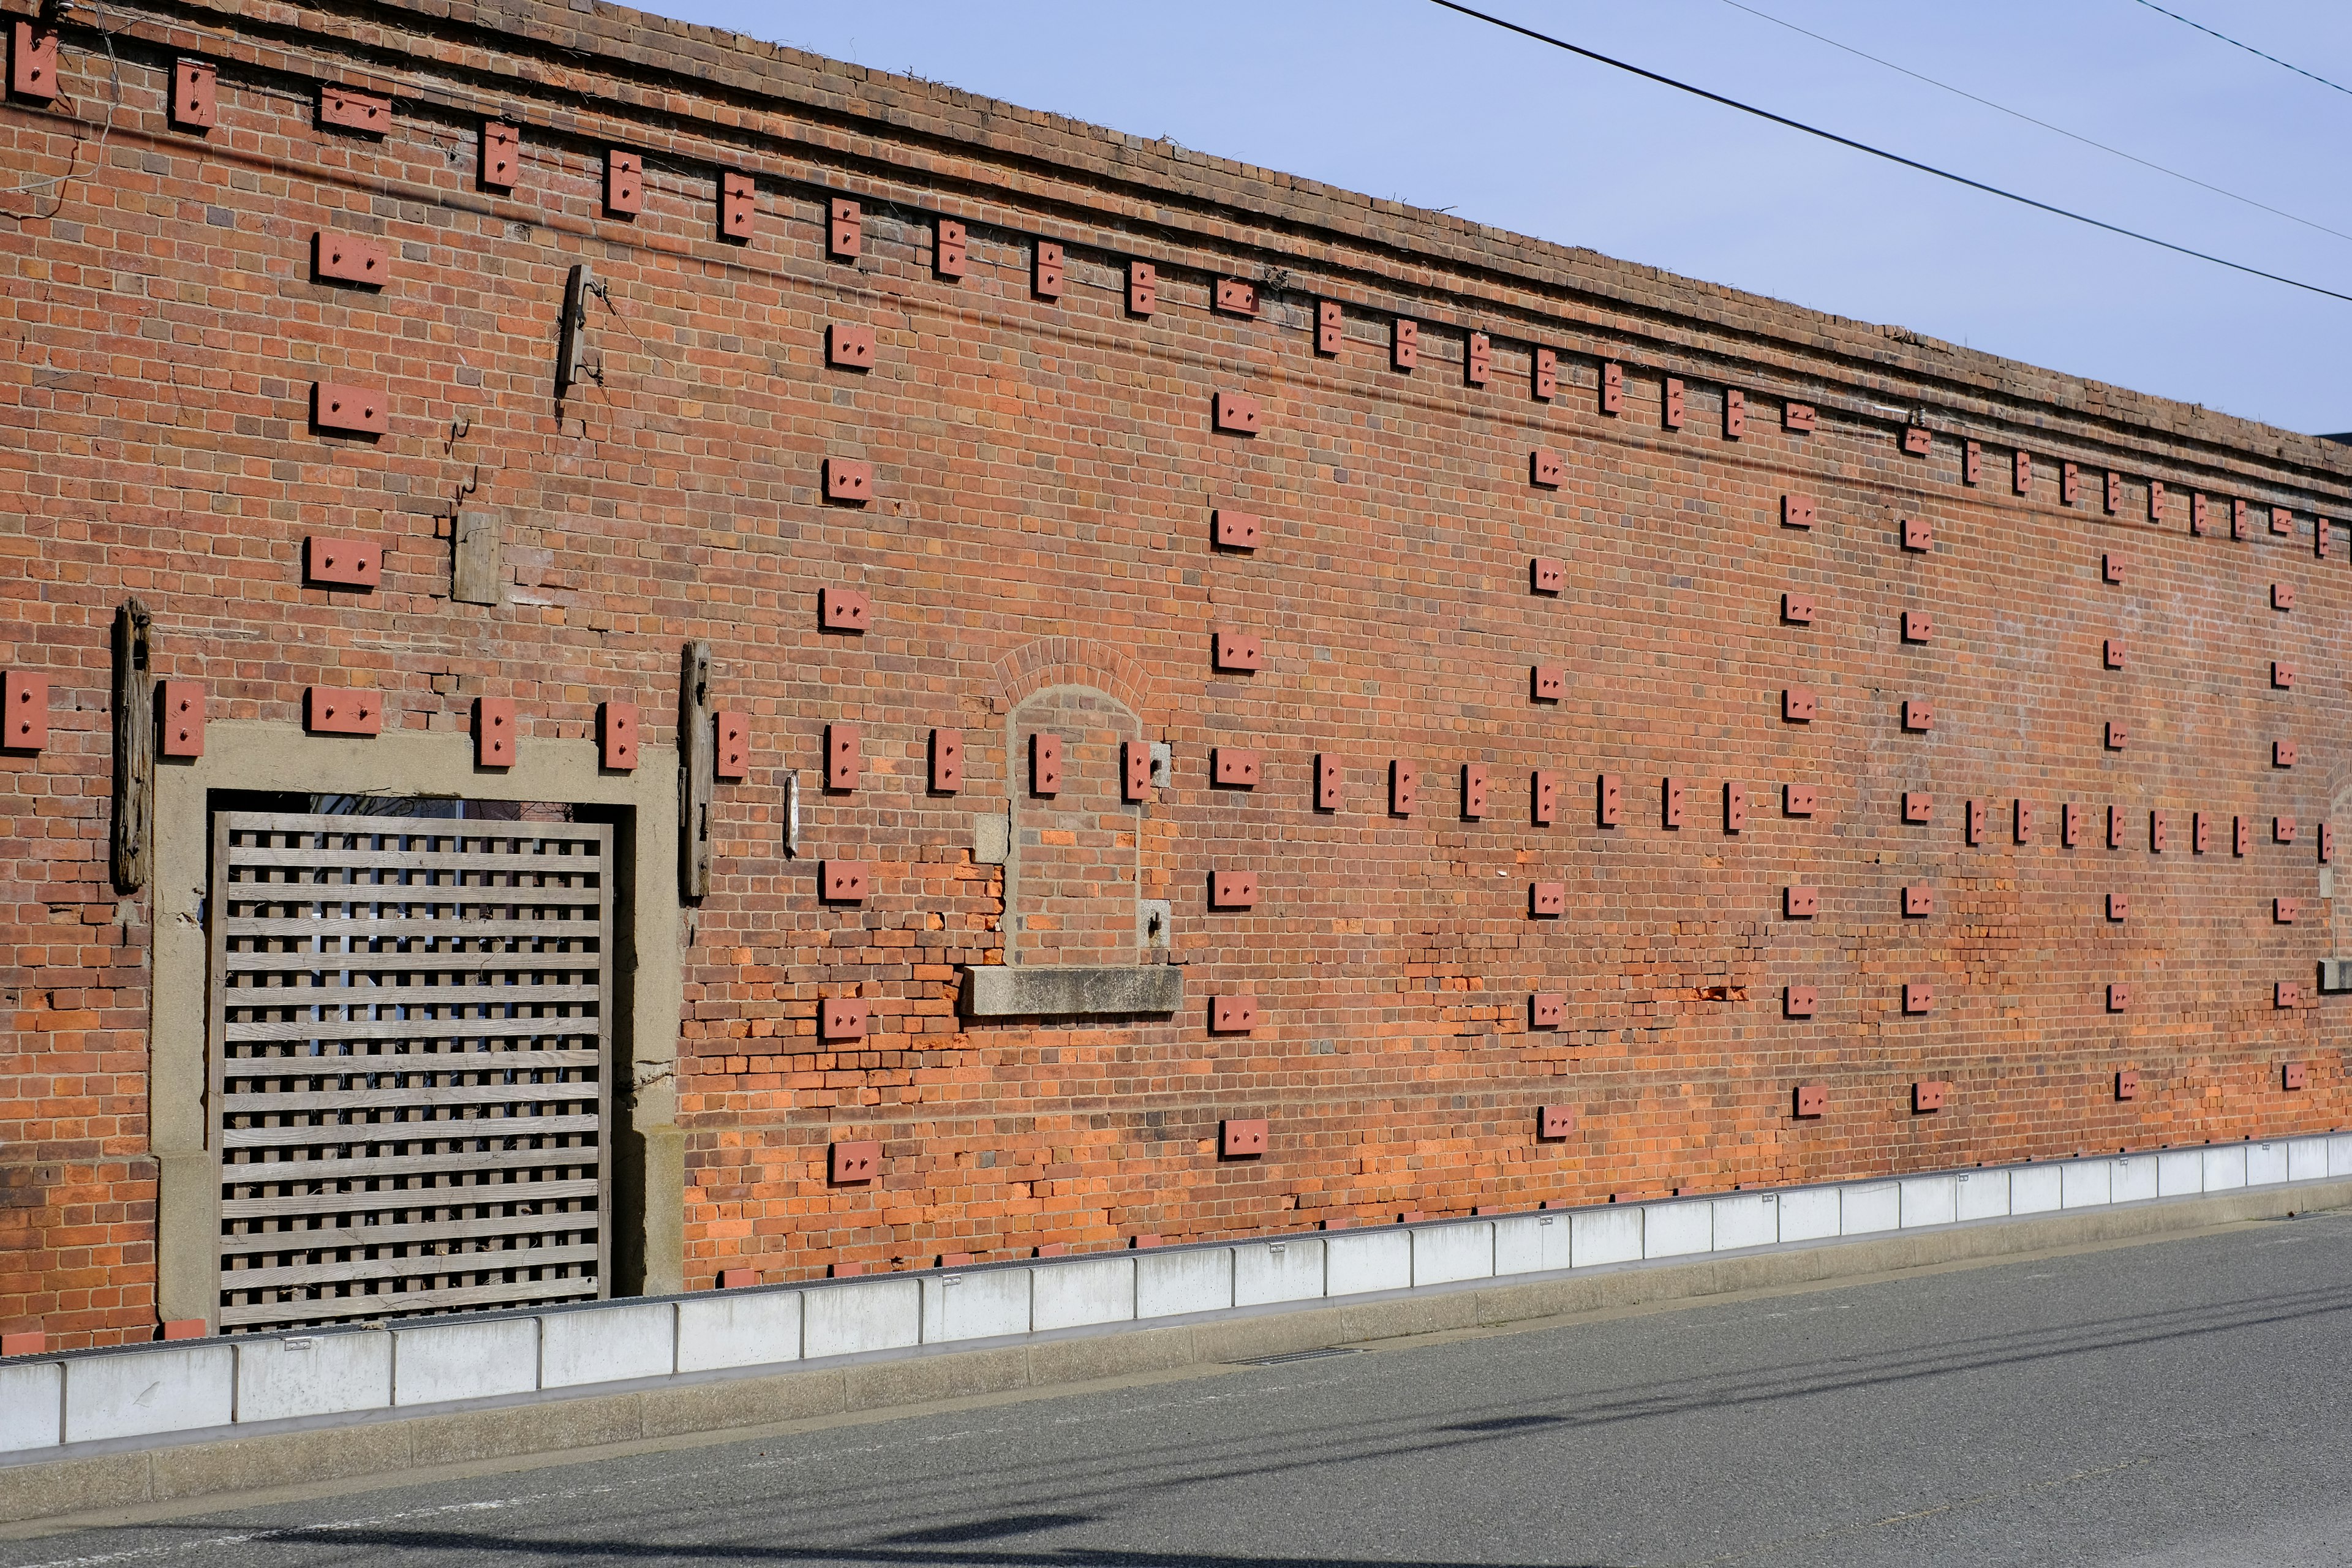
<point x="410" y="1021"/>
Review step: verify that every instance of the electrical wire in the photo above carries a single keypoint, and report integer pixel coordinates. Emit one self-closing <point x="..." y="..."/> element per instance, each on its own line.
<point x="1696" y="92"/>
<point x="2248" y="47"/>
<point x="2030" y="120"/>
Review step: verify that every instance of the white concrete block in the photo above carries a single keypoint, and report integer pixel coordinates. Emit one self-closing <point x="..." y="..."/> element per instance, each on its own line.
<point x="464" y="1361"/>
<point x="1069" y="1293"/>
<point x="975" y="1304"/>
<point x="1446" y="1252"/>
<point x="609" y="1343"/>
<point x="2225" y="1167"/>
<point x="2180" y="1172"/>
<point x="176" y="1389"/>
<point x="1931" y="1200"/>
<point x="313" y="1375"/>
<point x="2084" y="1184"/>
<point x="2265" y="1163"/>
<point x="2131" y="1178"/>
<point x="1518" y="1242"/>
<point x="1746" y="1219"/>
<point x="2340" y="1155"/>
<point x="737" y="1328"/>
<point x="1864" y="1207"/>
<point x="1809" y="1214"/>
<point x="1610" y="1234"/>
<point x="1290" y="1270"/>
<point x="2307" y="1159"/>
<point x="862" y="1315"/>
<point x="1193" y="1280"/>
<point x="1979" y="1195"/>
<point x="1355" y="1261"/>
<point x="1679" y="1229"/>
<point x="31" y="1405"/>
<point x="2035" y="1189"/>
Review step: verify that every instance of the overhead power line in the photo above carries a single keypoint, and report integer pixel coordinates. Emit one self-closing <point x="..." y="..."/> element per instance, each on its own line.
<point x="2030" y="120"/>
<point x="1696" y="91"/>
<point x="2248" y="47"/>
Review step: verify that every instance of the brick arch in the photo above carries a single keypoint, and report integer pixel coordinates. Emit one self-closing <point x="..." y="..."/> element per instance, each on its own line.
<point x="1047" y="662"/>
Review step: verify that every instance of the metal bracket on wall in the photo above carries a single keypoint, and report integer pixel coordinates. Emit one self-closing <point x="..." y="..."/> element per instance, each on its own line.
<point x="698" y="771"/>
<point x="573" y="333"/>
<point x="134" y="742"/>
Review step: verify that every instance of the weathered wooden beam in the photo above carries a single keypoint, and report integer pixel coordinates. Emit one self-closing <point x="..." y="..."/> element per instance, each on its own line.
<point x="134" y="742"/>
<point x="698" y="771"/>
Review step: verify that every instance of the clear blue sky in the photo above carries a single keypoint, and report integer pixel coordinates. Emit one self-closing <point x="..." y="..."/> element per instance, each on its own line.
<point x="1399" y="98"/>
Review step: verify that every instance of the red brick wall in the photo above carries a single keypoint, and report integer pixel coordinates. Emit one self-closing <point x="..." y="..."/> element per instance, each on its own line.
<point x="1045" y="474"/>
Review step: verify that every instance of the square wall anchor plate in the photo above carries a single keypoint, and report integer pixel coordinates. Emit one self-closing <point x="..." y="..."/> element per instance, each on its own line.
<point x="844" y="609"/>
<point x="25" y="700"/>
<point x="617" y="736"/>
<point x="845" y="882"/>
<point x="854" y="1162"/>
<point x="1236" y="413"/>
<point x="349" y="410"/>
<point x="494" y="733"/>
<point x="33" y="61"/>
<point x="501" y="155"/>
<point x="1232" y="1014"/>
<point x="731" y="752"/>
<point x="1233" y="889"/>
<point x="195" y="95"/>
<point x="349" y="258"/>
<point x="624" y="183"/>
<point x="183" y="734"/>
<point x="848" y="346"/>
<point x="343" y="563"/>
<point x="950" y="249"/>
<point x="738" y="208"/>
<point x="342" y="710"/>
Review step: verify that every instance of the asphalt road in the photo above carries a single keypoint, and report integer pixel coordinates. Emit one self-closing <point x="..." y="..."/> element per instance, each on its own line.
<point x="2172" y="1403"/>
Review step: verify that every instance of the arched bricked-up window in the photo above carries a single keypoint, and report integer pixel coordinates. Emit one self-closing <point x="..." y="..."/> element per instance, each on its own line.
<point x="1072" y="894"/>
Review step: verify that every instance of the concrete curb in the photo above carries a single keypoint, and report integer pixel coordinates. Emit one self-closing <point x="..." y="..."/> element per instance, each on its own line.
<point x="386" y="1448"/>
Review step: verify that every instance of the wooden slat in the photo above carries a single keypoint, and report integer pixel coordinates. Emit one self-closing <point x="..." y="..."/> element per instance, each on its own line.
<point x="494" y="1194"/>
<point x="555" y="1124"/>
<point x="243" y="821"/>
<point x="478" y="961"/>
<point x="436" y="996"/>
<point x="366" y="1100"/>
<point x="541" y="862"/>
<point x="241" y="1030"/>
<point x="240" y="897"/>
<point x="407" y="1304"/>
<point x="349" y="1238"/>
<point x="325" y="927"/>
<point x="545" y="1058"/>
<point x="372" y="1167"/>
<point x="280" y="1277"/>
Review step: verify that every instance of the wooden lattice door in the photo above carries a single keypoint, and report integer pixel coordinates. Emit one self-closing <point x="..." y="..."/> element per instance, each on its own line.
<point x="411" y="1027"/>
